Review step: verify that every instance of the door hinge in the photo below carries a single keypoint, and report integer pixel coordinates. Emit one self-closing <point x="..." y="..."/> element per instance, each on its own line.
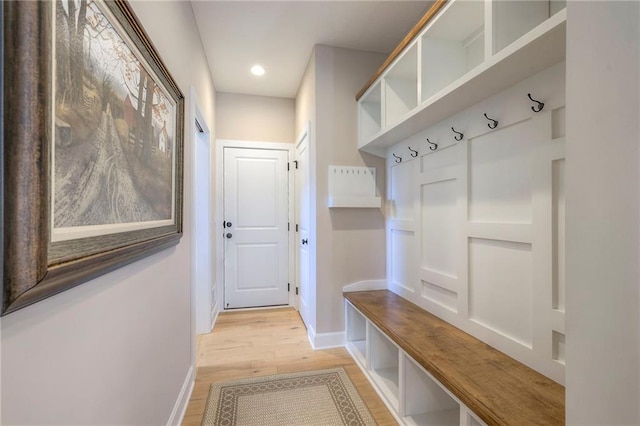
<point x="297" y="228"/>
<point x="296" y="163"/>
<point x="288" y="286"/>
<point x="288" y="166"/>
<point x="296" y="291"/>
<point x="288" y="226"/>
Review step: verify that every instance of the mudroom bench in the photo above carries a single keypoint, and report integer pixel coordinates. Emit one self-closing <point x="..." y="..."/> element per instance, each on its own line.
<point x="429" y="372"/>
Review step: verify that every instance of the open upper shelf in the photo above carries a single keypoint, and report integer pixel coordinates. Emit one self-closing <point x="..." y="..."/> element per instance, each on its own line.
<point x="466" y="53"/>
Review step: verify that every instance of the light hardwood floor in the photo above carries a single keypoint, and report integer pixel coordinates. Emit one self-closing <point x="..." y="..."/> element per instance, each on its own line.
<point x="264" y="342"/>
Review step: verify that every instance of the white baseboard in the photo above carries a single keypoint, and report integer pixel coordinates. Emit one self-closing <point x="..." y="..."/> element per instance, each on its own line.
<point x="214" y="318"/>
<point x="180" y="407"/>
<point x="325" y="340"/>
<point x="366" y="285"/>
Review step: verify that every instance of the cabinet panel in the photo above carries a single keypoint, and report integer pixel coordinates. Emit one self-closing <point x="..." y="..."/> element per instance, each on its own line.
<point x="500" y="288"/>
<point x="403" y="258"/>
<point x="500" y="175"/>
<point x="401" y="192"/>
<point x="440" y="227"/>
<point x="558" y="235"/>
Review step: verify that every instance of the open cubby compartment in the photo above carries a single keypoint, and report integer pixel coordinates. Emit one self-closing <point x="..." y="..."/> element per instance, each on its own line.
<point x="370" y="107"/>
<point x="471" y="419"/>
<point x="356" y="333"/>
<point x="425" y="400"/>
<point x="452" y="45"/>
<point x="513" y="19"/>
<point x="384" y="364"/>
<point x="401" y="86"/>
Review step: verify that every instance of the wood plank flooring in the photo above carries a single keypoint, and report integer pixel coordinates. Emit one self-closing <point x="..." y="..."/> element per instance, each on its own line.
<point x="263" y="342"/>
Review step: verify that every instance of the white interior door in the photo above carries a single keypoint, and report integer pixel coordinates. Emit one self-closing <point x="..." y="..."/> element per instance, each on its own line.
<point x="256" y="252"/>
<point x="303" y="215"/>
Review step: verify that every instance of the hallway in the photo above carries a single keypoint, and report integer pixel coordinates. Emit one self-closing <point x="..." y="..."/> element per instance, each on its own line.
<point x="265" y="342"/>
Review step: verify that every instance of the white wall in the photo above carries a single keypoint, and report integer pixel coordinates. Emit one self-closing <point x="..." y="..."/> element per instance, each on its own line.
<point x="350" y="243"/>
<point x="255" y="118"/>
<point x="602" y="213"/>
<point x="116" y="350"/>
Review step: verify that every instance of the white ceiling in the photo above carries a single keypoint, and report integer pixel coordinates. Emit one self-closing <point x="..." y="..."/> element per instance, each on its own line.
<point x="280" y="35"/>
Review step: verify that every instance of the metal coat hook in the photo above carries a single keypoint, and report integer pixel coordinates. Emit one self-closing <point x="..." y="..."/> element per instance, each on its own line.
<point x="493" y="124"/>
<point x="458" y="136"/>
<point x="414" y="153"/>
<point x="433" y="146"/>
<point x="539" y="106"/>
<point x="398" y="159"/>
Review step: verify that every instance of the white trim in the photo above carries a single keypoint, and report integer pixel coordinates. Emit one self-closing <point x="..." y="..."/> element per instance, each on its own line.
<point x="366" y="285"/>
<point x="201" y="324"/>
<point x="221" y="144"/>
<point x="309" y="133"/>
<point x="326" y="340"/>
<point x="180" y="407"/>
<point x="214" y="317"/>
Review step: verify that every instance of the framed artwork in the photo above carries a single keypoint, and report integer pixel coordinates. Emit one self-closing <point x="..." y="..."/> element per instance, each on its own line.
<point x="92" y="149"/>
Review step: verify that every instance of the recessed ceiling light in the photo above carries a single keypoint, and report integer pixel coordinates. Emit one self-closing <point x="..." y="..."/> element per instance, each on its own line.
<point x="257" y="70"/>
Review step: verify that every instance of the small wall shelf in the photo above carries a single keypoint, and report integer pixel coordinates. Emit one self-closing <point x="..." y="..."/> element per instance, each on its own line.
<point x="353" y="187"/>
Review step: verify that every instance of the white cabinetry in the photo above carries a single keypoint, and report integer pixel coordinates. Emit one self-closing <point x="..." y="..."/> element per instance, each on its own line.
<point x="467" y="52"/>
<point x="413" y="396"/>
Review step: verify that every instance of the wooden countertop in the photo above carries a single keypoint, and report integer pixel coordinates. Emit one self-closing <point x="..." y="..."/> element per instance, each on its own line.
<point x="499" y="389"/>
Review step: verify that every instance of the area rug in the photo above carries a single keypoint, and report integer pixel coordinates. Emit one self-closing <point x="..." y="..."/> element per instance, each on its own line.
<point x="318" y="397"/>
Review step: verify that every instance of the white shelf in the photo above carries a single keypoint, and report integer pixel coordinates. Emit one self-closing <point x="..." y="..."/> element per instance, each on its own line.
<point x="426" y="402"/>
<point x="356" y="332"/>
<point x="355" y="202"/>
<point x="452" y="45"/>
<point x="436" y="418"/>
<point x="387" y="381"/>
<point x="370" y="115"/>
<point x="518" y="57"/>
<point x="401" y="87"/>
<point x="351" y="186"/>
<point x="359" y="349"/>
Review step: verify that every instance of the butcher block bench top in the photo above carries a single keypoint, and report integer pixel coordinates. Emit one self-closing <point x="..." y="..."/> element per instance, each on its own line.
<point x="496" y="387"/>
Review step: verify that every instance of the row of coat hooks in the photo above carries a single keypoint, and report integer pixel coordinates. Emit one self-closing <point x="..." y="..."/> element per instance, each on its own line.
<point x="458" y="136"/>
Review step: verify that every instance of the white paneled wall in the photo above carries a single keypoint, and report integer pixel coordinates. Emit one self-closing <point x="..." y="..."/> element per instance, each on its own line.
<point x="476" y="227"/>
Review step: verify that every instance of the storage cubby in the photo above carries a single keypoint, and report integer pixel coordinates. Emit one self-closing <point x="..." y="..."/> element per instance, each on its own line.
<point x="425" y="401"/>
<point x="472" y="421"/>
<point x="356" y="331"/>
<point x="401" y="87"/>
<point x="452" y="45"/>
<point x="384" y="365"/>
<point x="371" y="113"/>
<point x="466" y="52"/>
<point x="513" y="19"/>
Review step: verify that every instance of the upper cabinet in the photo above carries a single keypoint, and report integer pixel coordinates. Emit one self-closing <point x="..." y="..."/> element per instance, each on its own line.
<point x="466" y="51"/>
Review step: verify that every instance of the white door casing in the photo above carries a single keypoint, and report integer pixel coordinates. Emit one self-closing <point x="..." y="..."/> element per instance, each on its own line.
<point x="303" y="221"/>
<point x="255" y="220"/>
